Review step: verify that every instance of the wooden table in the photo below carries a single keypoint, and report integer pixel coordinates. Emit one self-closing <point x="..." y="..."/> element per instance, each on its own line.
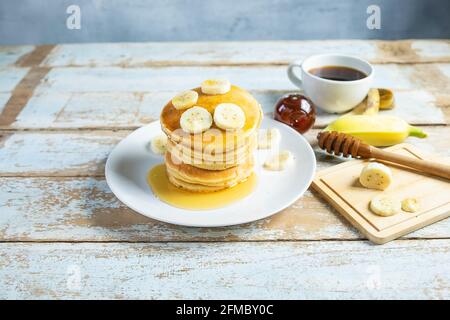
<point x="64" y="234"/>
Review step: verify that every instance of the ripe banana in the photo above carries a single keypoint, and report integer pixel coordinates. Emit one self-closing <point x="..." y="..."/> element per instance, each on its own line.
<point x="375" y="176"/>
<point x="268" y="138"/>
<point x="385" y="206"/>
<point x="159" y="144"/>
<point x="185" y="100"/>
<point x="376" y="130"/>
<point x="195" y="120"/>
<point x="279" y="161"/>
<point x="215" y="86"/>
<point x="229" y="116"/>
<point x="410" y="205"/>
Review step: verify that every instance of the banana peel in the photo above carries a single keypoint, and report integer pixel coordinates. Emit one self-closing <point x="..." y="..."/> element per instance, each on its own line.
<point x="376" y="130"/>
<point x="387" y="100"/>
<point x="369" y="106"/>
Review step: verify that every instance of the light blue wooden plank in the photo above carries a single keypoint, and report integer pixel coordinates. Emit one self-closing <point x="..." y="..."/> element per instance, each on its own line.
<point x="202" y="53"/>
<point x="114" y="79"/>
<point x="56" y="153"/>
<point x="11" y="54"/>
<point x="10" y="77"/>
<point x="405" y="269"/>
<point x="84" y="209"/>
<point x="4" y="97"/>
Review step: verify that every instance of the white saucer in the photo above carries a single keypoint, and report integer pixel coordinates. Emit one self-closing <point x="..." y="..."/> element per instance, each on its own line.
<point x="128" y="164"/>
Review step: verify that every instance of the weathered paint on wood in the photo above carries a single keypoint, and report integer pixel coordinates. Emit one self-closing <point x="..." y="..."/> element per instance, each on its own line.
<point x="4" y="97"/>
<point x="53" y="188"/>
<point x="278" y="270"/>
<point x="55" y="154"/>
<point x="10" y="77"/>
<point x="116" y="79"/>
<point x="84" y="209"/>
<point x="132" y="110"/>
<point x="84" y="153"/>
<point x="9" y="55"/>
<point x="127" y="98"/>
<point x="233" y="53"/>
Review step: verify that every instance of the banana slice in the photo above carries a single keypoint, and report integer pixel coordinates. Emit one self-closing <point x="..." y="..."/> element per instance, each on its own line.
<point x="215" y="86"/>
<point x="375" y="176"/>
<point x="185" y="100"/>
<point x="159" y="144"/>
<point x="385" y="206"/>
<point x="279" y="161"/>
<point x="229" y="116"/>
<point x="195" y="120"/>
<point x="268" y="138"/>
<point x="410" y="205"/>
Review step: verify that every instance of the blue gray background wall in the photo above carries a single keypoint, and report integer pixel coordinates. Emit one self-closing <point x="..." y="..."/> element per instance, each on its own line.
<point x="44" y="21"/>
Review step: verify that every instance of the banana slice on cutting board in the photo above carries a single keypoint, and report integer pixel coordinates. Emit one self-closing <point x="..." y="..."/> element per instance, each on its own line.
<point x="159" y="144"/>
<point x="385" y="206"/>
<point x="279" y="161"/>
<point x="375" y="176"/>
<point x="229" y="116"/>
<point x="269" y="138"/>
<point x="195" y="120"/>
<point x="215" y="86"/>
<point x="185" y="100"/>
<point x="410" y="205"/>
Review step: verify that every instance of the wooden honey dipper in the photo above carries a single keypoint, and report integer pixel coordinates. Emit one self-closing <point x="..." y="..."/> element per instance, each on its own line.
<point x="338" y="143"/>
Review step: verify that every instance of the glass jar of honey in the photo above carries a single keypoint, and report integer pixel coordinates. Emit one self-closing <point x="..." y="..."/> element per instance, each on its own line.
<point x="297" y="111"/>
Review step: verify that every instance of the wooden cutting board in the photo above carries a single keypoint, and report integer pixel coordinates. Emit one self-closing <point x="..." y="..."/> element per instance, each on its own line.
<point x="340" y="186"/>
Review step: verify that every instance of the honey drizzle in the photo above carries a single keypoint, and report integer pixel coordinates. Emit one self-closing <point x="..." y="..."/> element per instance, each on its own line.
<point x="165" y="191"/>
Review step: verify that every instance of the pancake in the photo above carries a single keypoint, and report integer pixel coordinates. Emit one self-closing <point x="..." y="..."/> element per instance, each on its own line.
<point x="191" y="186"/>
<point x="218" y="178"/>
<point x="193" y="157"/>
<point x="215" y="159"/>
<point x="225" y="140"/>
<point x="207" y="165"/>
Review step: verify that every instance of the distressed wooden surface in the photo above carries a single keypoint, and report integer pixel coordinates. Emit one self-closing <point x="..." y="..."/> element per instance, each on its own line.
<point x="62" y="110"/>
<point x="84" y="209"/>
<point x="233" y="53"/>
<point x="277" y="270"/>
<point x="114" y="97"/>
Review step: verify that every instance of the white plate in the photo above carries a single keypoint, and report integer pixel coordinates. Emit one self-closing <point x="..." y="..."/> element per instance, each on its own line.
<point x="128" y="164"/>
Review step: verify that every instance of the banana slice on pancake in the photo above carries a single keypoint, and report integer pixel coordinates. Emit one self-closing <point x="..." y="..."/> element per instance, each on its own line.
<point x="195" y="120"/>
<point x="229" y="116"/>
<point x="185" y="100"/>
<point x="215" y="86"/>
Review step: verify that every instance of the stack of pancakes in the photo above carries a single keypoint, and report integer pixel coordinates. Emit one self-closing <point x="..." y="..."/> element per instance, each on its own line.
<point x="216" y="159"/>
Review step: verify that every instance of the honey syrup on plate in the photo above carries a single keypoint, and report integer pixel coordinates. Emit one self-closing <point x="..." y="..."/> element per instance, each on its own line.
<point x="167" y="192"/>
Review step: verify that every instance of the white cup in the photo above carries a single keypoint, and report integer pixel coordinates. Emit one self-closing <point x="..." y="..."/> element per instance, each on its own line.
<point x="332" y="95"/>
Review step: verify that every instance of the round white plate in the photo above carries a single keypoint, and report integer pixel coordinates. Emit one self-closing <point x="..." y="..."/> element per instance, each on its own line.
<point x="128" y="164"/>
